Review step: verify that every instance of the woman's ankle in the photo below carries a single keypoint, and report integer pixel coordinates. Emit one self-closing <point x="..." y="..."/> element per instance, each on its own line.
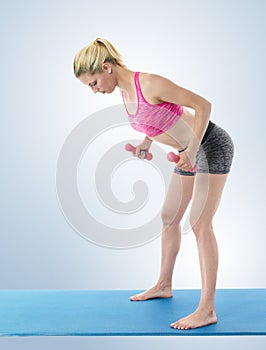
<point x="164" y="284"/>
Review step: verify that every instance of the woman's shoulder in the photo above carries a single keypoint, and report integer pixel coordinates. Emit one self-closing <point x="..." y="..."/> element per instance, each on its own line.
<point x="151" y="80"/>
<point x="152" y="84"/>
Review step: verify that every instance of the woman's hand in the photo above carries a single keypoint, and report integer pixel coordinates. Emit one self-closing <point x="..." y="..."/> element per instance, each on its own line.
<point x="143" y="148"/>
<point x="187" y="160"/>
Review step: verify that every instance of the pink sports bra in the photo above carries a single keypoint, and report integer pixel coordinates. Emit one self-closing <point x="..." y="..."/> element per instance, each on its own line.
<point x="152" y="119"/>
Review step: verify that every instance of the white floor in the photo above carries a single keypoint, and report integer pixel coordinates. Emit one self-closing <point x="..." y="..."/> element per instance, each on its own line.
<point x="133" y="343"/>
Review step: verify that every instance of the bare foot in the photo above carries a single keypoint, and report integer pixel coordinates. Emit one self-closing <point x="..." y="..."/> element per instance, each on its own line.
<point x="154" y="292"/>
<point x="199" y="318"/>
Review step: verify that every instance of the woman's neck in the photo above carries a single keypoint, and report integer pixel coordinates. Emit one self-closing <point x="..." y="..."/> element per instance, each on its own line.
<point x="124" y="78"/>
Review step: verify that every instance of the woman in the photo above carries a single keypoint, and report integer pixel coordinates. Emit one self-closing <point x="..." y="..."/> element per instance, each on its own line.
<point x="155" y="106"/>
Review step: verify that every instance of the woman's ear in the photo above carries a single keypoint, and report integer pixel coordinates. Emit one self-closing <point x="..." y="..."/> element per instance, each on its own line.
<point x="107" y="67"/>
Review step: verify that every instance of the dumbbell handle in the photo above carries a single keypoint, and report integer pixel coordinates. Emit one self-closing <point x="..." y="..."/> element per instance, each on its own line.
<point x="130" y="148"/>
<point x="172" y="157"/>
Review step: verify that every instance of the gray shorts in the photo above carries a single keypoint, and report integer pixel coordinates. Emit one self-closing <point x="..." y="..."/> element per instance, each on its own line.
<point x="216" y="153"/>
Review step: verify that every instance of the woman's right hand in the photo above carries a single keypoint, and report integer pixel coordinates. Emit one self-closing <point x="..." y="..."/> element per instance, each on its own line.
<point x="144" y="146"/>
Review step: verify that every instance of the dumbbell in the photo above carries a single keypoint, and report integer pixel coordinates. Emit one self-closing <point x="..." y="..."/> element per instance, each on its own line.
<point x="130" y="148"/>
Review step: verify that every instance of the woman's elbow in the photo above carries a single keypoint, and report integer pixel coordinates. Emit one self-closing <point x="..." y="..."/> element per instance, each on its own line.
<point x="204" y="107"/>
<point x="207" y="106"/>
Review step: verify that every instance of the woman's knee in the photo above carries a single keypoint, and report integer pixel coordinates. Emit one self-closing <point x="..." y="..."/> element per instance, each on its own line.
<point x="201" y="227"/>
<point x="169" y="217"/>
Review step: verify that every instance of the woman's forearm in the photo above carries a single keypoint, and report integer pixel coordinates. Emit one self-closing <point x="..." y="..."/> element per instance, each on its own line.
<point x="147" y="139"/>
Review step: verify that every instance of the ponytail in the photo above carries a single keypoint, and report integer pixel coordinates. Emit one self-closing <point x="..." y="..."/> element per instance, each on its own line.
<point x="91" y="58"/>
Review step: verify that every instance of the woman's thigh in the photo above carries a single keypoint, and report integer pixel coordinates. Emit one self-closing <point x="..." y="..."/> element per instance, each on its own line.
<point x="207" y="193"/>
<point x="177" y="198"/>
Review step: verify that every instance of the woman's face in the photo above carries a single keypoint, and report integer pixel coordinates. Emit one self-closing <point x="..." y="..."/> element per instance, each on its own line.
<point x="99" y="82"/>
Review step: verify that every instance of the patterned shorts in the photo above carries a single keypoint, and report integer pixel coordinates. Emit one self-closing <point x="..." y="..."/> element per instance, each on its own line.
<point x="216" y="153"/>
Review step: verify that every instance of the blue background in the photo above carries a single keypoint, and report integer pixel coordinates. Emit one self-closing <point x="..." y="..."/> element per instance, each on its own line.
<point x="215" y="48"/>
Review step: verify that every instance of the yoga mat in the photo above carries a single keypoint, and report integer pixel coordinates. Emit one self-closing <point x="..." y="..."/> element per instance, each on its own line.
<point x="111" y="313"/>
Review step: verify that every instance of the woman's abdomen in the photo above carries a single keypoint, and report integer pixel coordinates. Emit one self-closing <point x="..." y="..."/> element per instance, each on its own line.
<point x="180" y="134"/>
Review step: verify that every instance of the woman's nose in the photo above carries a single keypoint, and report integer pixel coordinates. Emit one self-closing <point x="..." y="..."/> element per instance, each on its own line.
<point x="95" y="89"/>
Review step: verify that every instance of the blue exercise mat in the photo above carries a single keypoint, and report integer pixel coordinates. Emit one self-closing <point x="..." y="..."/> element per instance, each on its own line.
<point x="111" y="313"/>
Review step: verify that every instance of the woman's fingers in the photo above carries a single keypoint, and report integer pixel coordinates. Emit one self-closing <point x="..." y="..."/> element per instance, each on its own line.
<point x="142" y="154"/>
<point x="183" y="165"/>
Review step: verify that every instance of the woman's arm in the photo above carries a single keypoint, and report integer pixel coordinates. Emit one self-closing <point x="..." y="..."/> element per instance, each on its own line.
<point x="165" y="90"/>
<point x="162" y="89"/>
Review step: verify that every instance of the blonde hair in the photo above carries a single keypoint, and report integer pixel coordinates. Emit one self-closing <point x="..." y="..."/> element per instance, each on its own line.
<point x="91" y="58"/>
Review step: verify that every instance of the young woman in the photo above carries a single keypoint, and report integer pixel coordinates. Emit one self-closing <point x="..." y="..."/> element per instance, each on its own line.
<point x="156" y="106"/>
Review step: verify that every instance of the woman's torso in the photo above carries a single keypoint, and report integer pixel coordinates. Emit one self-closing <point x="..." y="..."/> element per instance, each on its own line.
<point x="179" y="135"/>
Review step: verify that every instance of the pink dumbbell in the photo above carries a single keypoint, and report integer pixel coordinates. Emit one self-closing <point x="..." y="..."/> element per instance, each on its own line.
<point x="172" y="157"/>
<point x="130" y="148"/>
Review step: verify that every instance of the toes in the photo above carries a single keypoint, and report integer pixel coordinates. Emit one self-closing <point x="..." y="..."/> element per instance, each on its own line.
<point x="180" y="325"/>
<point x="175" y="325"/>
<point x="136" y="297"/>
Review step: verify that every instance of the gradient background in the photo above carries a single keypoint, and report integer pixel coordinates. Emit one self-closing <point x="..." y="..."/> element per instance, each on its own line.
<point x="215" y="48"/>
